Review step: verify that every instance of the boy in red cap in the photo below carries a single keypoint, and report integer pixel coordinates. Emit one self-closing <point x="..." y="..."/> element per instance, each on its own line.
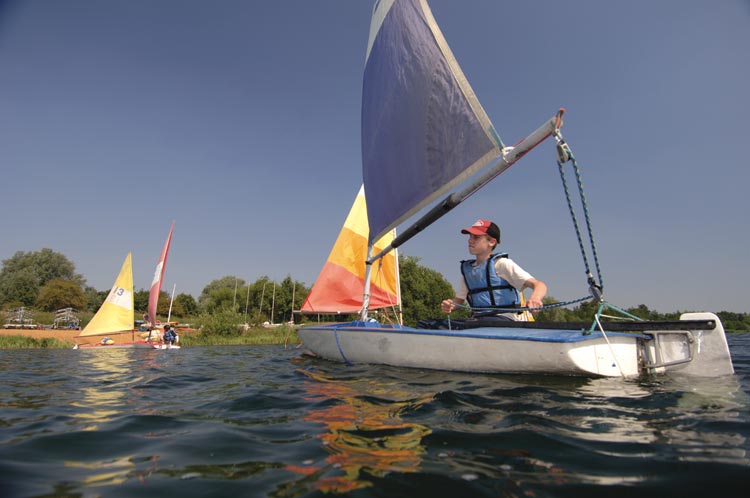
<point x="493" y="280"/>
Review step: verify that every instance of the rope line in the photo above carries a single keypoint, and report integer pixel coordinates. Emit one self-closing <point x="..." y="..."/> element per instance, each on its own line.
<point x="341" y="351"/>
<point x="564" y="155"/>
<point x="522" y="308"/>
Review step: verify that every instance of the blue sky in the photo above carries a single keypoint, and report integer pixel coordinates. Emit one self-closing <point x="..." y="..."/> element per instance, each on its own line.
<point x="240" y="120"/>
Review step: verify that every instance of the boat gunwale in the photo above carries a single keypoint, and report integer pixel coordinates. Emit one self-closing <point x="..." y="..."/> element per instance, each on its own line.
<point x="491" y="333"/>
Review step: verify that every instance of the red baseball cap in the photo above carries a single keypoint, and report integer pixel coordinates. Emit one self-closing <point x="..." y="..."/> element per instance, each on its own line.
<point x="484" y="227"/>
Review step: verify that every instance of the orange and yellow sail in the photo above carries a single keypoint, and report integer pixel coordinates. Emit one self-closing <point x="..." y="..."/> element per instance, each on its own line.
<point x="340" y="285"/>
<point x="116" y="313"/>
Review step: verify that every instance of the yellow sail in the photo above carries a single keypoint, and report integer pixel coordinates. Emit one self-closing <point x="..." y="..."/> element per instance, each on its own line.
<point x="116" y="313"/>
<point x="340" y="286"/>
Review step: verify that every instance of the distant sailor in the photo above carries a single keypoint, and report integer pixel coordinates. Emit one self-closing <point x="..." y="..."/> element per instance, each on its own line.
<point x="493" y="281"/>
<point x="169" y="335"/>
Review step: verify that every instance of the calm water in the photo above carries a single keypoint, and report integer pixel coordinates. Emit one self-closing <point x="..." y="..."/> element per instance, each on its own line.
<point x="265" y="421"/>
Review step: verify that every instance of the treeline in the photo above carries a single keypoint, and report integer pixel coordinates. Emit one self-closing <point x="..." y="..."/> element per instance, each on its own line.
<point x="732" y="322"/>
<point x="45" y="280"/>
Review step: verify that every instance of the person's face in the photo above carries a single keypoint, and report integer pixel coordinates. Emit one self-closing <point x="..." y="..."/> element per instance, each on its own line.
<point x="480" y="244"/>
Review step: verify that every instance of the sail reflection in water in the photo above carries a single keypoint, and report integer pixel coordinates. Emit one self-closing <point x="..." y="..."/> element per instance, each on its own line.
<point x="517" y="433"/>
<point x="106" y="394"/>
<point x="366" y="434"/>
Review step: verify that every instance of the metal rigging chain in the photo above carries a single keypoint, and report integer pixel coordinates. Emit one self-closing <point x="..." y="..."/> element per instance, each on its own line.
<point x="564" y="154"/>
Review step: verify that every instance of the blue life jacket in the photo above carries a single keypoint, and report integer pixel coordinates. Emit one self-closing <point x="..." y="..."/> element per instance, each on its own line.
<point x="169" y="335"/>
<point x="486" y="288"/>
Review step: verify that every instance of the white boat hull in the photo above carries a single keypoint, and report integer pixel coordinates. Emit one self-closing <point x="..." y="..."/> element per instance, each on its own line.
<point x="525" y="351"/>
<point x="127" y="345"/>
<point x="123" y="345"/>
<point x="165" y="346"/>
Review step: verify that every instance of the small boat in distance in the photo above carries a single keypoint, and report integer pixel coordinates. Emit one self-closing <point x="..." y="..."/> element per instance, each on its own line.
<point x="114" y="319"/>
<point x="155" y="292"/>
<point x="424" y="133"/>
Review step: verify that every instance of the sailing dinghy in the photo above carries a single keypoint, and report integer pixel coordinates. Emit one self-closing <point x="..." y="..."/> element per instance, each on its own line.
<point x="424" y="133"/>
<point x="115" y="316"/>
<point x="155" y="290"/>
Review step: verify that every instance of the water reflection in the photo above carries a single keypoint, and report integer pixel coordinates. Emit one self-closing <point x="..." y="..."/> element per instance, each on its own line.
<point x="674" y="411"/>
<point x="520" y="432"/>
<point x="106" y="472"/>
<point x="366" y="434"/>
<point x="107" y="380"/>
<point x="704" y="421"/>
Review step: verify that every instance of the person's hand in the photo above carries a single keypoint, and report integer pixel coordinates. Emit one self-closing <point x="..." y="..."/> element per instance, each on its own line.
<point x="534" y="303"/>
<point x="447" y="306"/>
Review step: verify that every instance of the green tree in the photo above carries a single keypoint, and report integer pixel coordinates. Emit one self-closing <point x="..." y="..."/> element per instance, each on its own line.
<point x="19" y="287"/>
<point x="224" y="293"/>
<point x="187" y="304"/>
<point x="162" y="305"/>
<point x="286" y="291"/>
<point x="555" y="314"/>
<point x="256" y="300"/>
<point x="58" y="293"/>
<point x="735" y="322"/>
<point x="422" y="290"/>
<point x="25" y="273"/>
<point x="94" y="298"/>
<point x="140" y="301"/>
<point x="223" y="322"/>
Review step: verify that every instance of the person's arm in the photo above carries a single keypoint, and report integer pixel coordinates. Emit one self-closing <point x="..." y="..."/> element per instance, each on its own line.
<point x="539" y="290"/>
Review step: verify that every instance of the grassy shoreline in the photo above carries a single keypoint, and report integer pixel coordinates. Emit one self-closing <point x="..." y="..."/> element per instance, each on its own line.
<point x="253" y="336"/>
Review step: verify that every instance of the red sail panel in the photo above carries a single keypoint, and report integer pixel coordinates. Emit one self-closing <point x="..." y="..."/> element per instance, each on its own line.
<point x="153" y="296"/>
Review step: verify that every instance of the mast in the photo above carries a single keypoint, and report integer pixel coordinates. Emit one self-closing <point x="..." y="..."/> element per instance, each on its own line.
<point x="368" y="278"/>
<point x="234" y="297"/>
<point x="262" y="295"/>
<point x="171" y="300"/>
<point x="247" y="302"/>
<point x="291" y="312"/>
<point x="273" y="301"/>
<point x="400" y="309"/>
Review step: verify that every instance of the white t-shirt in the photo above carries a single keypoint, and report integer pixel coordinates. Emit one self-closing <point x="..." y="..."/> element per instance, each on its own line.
<point x="509" y="270"/>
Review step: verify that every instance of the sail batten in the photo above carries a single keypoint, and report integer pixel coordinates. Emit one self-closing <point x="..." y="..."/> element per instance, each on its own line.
<point x="423" y="129"/>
